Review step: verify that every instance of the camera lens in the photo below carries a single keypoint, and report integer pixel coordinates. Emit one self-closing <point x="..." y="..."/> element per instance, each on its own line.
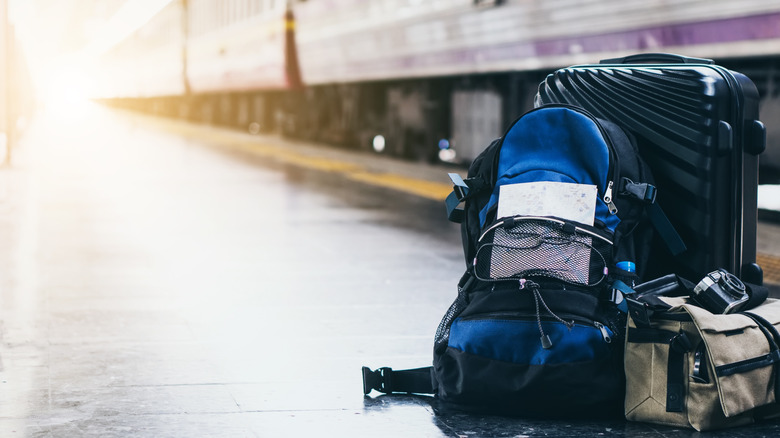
<point x="734" y="285"/>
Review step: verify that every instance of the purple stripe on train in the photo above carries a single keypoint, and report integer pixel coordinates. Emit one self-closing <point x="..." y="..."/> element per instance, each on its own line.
<point x="748" y="28"/>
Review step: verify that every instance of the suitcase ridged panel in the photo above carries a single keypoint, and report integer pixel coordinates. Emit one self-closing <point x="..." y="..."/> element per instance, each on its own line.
<point x="679" y="113"/>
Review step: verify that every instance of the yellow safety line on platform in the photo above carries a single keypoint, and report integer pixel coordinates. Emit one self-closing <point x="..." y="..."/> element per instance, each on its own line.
<point x="353" y="171"/>
<point x="426" y="189"/>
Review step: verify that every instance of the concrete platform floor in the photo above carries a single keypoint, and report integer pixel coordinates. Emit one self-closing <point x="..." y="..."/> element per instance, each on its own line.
<point x="154" y="286"/>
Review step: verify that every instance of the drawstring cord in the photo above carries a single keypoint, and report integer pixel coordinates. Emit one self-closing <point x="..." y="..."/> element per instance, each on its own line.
<point x="546" y="342"/>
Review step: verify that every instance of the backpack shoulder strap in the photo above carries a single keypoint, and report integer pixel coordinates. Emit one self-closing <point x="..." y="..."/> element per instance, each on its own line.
<point x="460" y="191"/>
<point x="388" y="381"/>
<point x="643" y="191"/>
<point x="479" y="175"/>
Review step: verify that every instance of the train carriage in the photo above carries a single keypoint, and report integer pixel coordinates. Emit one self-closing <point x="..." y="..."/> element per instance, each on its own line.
<point x="148" y="63"/>
<point x="236" y="48"/>
<point x="236" y="60"/>
<point x="479" y="61"/>
<point x="428" y="79"/>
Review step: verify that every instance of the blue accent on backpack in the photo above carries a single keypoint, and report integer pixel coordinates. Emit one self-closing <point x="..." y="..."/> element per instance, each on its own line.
<point x="517" y="340"/>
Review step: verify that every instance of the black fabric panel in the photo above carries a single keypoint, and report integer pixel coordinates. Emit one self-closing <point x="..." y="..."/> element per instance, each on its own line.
<point x="503" y="300"/>
<point x="589" y="389"/>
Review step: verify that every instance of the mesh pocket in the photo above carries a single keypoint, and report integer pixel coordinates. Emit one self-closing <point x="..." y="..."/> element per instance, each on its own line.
<point x="455" y="309"/>
<point x="546" y="247"/>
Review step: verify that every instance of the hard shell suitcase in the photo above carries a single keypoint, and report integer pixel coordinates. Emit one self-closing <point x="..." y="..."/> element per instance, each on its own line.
<point x="697" y="126"/>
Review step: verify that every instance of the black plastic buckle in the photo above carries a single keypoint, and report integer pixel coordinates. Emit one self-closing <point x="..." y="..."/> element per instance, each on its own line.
<point x="460" y="191"/>
<point x="381" y="380"/>
<point x="642" y="191"/>
<point x="459" y="186"/>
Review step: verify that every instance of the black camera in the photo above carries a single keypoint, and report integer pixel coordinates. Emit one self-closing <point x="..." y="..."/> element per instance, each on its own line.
<point x="721" y="292"/>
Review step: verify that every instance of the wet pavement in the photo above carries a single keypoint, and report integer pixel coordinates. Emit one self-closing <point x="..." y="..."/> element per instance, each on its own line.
<point x="161" y="280"/>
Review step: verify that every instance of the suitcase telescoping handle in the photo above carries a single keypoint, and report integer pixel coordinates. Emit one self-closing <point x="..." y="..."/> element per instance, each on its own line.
<point x="656" y="58"/>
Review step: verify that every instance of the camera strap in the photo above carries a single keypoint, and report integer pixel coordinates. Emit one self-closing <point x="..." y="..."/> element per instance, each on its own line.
<point x="648" y="297"/>
<point x="757" y="294"/>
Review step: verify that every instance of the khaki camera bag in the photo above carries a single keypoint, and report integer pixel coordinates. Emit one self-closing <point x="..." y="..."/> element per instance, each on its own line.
<point x="688" y="367"/>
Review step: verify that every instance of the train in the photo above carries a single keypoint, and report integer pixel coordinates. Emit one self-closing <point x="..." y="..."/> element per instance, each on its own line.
<point x="428" y="80"/>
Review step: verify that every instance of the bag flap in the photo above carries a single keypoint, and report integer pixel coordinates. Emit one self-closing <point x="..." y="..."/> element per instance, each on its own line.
<point x="738" y="357"/>
<point x="769" y="310"/>
<point x="710" y="322"/>
<point x="674" y="302"/>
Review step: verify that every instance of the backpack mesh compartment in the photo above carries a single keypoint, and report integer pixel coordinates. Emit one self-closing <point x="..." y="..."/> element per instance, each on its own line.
<point x="522" y="247"/>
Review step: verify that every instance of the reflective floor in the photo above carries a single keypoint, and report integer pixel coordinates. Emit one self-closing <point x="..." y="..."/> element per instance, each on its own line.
<point x="153" y="284"/>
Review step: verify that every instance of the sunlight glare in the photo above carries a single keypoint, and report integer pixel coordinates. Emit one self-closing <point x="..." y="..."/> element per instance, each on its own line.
<point x="66" y="90"/>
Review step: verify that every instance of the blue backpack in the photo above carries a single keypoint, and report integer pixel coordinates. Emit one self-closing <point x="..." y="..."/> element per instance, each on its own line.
<point x="558" y="216"/>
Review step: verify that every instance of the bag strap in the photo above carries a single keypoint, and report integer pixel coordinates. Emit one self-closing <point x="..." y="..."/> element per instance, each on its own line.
<point x="645" y="301"/>
<point x="773" y="337"/>
<point x="757" y="294"/>
<point x="460" y="191"/>
<point x="647" y="193"/>
<point x="481" y="176"/>
<point x="665" y="229"/>
<point x="679" y="346"/>
<point x="388" y="381"/>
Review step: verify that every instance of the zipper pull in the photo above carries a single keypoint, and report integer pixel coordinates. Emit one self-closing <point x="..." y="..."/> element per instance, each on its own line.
<point x="604" y="332"/>
<point x="608" y="198"/>
<point x="527" y="284"/>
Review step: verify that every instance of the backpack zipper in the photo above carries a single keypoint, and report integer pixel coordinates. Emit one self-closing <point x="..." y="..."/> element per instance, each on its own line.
<point x="608" y="198"/>
<point x="604" y="332"/>
<point x="578" y="320"/>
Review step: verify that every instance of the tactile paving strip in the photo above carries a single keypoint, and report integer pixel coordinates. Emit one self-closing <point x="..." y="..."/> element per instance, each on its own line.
<point x="771" y="267"/>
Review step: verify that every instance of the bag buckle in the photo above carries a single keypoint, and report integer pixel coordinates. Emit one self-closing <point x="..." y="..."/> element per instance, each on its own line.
<point x="381" y="379"/>
<point x="460" y="191"/>
<point x="642" y="191"/>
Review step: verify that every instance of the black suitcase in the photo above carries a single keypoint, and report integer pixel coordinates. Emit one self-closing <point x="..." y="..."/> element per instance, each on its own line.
<point x="697" y="126"/>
